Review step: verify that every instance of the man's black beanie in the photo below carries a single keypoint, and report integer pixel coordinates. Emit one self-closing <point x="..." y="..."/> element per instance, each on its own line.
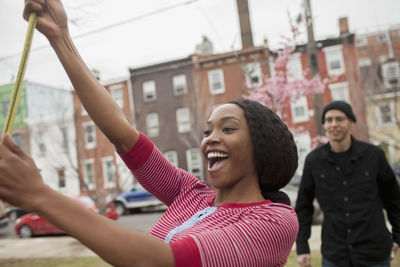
<point x="339" y="105"/>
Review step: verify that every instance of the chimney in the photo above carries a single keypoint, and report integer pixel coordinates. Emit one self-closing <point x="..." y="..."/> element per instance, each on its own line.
<point x="245" y="26"/>
<point x="343" y="25"/>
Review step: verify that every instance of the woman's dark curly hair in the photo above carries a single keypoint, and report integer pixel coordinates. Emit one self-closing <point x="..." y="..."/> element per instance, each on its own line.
<point x="275" y="151"/>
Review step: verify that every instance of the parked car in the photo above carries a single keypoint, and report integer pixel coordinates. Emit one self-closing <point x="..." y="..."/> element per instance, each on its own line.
<point x="13" y="213"/>
<point x="291" y="191"/>
<point x="135" y="198"/>
<point x="32" y="224"/>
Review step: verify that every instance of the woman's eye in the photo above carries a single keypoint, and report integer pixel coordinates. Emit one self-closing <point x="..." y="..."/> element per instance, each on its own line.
<point x="207" y="132"/>
<point x="228" y="129"/>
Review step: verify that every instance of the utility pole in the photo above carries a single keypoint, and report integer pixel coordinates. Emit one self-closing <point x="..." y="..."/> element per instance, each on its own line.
<point x="313" y="66"/>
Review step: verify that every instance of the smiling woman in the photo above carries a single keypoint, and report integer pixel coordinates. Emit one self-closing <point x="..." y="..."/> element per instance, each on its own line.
<point x="241" y="219"/>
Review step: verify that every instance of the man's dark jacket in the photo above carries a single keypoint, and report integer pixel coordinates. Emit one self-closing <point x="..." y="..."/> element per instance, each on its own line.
<point x="354" y="231"/>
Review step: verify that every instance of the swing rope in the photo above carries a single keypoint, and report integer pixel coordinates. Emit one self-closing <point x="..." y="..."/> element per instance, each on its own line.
<point x="16" y="92"/>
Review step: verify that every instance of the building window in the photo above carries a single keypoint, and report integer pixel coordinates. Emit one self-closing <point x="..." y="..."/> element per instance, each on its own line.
<point x="340" y="91"/>
<point x="383" y="37"/>
<point x="64" y="138"/>
<point x="271" y="64"/>
<point x="152" y="124"/>
<point x="391" y="74"/>
<point x="299" y="109"/>
<point x="179" y="84"/>
<point x="17" y="139"/>
<point x="89" y="174"/>
<point x="172" y="156"/>
<point x="294" y="69"/>
<point x="61" y="178"/>
<point x="361" y="41"/>
<point x="149" y="91"/>
<point x="216" y="81"/>
<point x="117" y="94"/>
<point x="90" y="135"/>
<point x="183" y="120"/>
<point x="6" y="104"/>
<point x="253" y="74"/>
<point x="385" y="113"/>
<point x="334" y="60"/>
<point x="194" y="163"/>
<point x="303" y="143"/>
<point x="364" y="62"/>
<point x="108" y="172"/>
<point x="41" y="144"/>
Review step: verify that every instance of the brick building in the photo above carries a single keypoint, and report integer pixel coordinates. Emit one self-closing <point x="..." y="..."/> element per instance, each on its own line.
<point x="379" y="62"/>
<point x="99" y="167"/>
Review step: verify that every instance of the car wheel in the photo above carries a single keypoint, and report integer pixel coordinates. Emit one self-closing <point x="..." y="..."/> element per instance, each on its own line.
<point x="120" y="208"/>
<point x="25" y="231"/>
<point x="13" y="215"/>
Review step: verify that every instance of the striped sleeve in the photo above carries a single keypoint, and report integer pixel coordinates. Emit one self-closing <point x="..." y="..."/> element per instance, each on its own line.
<point x="262" y="239"/>
<point x="154" y="172"/>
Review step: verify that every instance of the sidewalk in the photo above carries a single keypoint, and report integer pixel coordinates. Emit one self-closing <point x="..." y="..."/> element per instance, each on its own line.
<point x="65" y="246"/>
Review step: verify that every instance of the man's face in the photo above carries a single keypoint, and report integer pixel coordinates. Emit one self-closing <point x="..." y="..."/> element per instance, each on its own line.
<point x="337" y="125"/>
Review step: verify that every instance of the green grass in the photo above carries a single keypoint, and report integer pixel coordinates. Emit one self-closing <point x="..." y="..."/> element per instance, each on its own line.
<point x="98" y="262"/>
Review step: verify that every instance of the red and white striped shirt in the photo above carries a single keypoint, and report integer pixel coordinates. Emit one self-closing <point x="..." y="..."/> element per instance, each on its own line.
<point x="235" y="234"/>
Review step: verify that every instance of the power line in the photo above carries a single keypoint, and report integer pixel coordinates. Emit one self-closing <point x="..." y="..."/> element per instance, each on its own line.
<point x="107" y="27"/>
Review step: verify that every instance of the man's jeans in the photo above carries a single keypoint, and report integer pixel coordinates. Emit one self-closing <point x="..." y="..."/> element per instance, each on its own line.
<point x="326" y="263"/>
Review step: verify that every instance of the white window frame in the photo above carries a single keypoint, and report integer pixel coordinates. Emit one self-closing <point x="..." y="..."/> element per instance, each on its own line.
<point x="212" y="74"/>
<point x="364" y="62"/>
<point x="179" y="84"/>
<point x="379" y="114"/>
<point x="253" y="70"/>
<point x="392" y="67"/>
<point x="333" y="53"/>
<point x="172" y="156"/>
<point x="294" y="68"/>
<point x="107" y="171"/>
<point x="91" y="186"/>
<point x="152" y="124"/>
<point x="195" y="167"/>
<point x="117" y="93"/>
<point x="90" y="144"/>
<point x="340" y="91"/>
<point x="303" y="143"/>
<point x="183" y="120"/>
<point x="300" y="102"/>
<point x="149" y="89"/>
<point x="271" y="62"/>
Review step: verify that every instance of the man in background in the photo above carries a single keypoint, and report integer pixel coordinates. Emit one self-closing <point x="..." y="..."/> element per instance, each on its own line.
<point x="353" y="183"/>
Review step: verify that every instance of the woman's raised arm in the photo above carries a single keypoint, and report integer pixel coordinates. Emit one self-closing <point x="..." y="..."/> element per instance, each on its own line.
<point x="52" y="22"/>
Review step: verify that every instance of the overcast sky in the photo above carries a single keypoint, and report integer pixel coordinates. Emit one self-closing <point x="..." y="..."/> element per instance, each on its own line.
<point x="160" y="30"/>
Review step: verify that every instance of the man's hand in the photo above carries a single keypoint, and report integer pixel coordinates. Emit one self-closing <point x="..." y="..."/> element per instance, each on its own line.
<point x="304" y="260"/>
<point x="395" y="247"/>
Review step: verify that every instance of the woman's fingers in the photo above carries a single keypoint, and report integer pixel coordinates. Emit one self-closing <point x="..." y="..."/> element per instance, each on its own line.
<point x="36" y="6"/>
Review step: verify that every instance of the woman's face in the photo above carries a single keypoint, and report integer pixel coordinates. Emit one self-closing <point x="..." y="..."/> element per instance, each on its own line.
<point x="227" y="148"/>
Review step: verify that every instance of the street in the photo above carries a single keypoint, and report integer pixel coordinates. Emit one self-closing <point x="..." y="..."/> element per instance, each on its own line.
<point x="11" y="246"/>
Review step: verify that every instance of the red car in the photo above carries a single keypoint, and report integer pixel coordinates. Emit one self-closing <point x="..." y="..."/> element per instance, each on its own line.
<point x="32" y="224"/>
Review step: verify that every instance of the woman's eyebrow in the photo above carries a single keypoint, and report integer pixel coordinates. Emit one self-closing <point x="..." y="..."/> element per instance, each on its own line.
<point x="223" y="119"/>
